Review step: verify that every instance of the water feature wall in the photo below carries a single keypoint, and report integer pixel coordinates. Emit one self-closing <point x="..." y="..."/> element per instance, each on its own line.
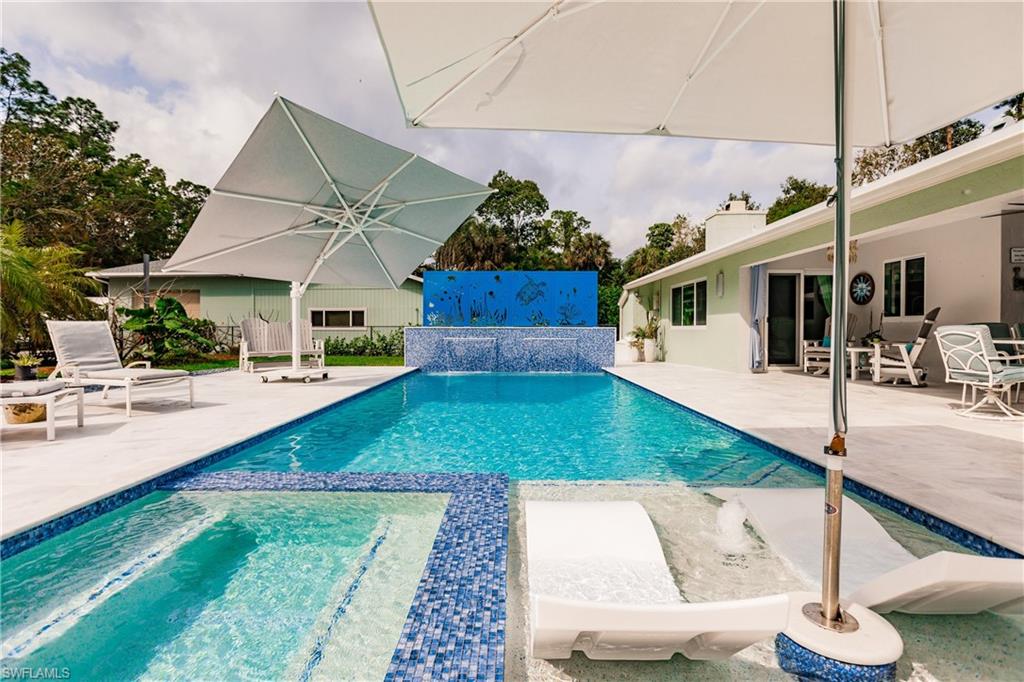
<point x="510" y="349"/>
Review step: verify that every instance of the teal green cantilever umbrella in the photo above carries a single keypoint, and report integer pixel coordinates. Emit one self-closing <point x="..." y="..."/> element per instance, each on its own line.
<point x="832" y="72"/>
<point x="308" y="200"/>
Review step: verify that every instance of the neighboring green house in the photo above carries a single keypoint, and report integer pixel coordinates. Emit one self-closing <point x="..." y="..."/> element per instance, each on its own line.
<point x="333" y="310"/>
<point x="942" y="233"/>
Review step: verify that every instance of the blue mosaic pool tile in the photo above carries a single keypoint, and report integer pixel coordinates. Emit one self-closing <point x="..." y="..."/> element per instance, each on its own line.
<point x="809" y="666"/>
<point x="961" y="536"/>
<point x="455" y="628"/>
<point x="510" y="349"/>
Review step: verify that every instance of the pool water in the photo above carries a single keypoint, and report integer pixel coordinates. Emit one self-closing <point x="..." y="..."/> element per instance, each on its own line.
<point x="530" y="426"/>
<point x="222" y="585"/>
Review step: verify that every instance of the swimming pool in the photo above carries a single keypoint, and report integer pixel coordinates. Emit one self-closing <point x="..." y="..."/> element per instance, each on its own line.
<point x="529" y="426"/>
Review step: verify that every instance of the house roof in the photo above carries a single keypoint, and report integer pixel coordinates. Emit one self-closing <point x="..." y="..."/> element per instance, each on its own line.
<point x="986" y="151"/>
<point x="134" y="270"/>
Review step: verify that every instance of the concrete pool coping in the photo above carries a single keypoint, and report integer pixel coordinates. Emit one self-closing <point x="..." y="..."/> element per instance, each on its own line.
<point x="44" y="481"/>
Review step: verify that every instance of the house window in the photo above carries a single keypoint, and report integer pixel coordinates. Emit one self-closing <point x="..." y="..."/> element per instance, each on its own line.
<point x="338" y="318"/>
<point x="690" y="304"/>
<point x="903" y="281"/>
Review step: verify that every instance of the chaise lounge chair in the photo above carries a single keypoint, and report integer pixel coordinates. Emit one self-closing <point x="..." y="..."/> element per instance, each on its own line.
<point x="599" y="584"/>
<point x="877" y="571"/>
<point x="47" y="393"/>
<point x="86" y="355"/>
<point x="262" y="339"/>
<point x="897" y="361"/>
<point x="972" y="359"/>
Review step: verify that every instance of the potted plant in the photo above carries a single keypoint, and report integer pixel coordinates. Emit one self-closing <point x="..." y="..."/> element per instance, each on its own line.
<point x="637" y="344"/>
<point x="25" y="365"/>
<point x="651" y="337"/>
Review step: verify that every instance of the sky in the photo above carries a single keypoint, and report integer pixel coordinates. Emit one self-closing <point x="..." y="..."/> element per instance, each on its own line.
<point x="189" y="82"/>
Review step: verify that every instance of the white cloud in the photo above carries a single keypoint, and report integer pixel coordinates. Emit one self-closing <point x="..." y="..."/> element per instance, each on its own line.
<point x="188" y="82"/>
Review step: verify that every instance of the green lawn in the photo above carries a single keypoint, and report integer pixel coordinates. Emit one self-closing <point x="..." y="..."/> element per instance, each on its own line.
<point x="216" y="363"/>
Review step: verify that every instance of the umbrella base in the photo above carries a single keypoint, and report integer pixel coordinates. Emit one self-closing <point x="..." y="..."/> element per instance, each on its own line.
<point x="304" y="374"/>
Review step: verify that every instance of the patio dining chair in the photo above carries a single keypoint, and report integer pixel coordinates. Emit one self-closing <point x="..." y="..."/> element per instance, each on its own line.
<point x="971" y="359"/>
<point x="897" y="361"/>
<point x="86" y="355"/>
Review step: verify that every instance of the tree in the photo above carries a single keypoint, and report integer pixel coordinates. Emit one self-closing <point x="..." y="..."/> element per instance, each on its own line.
<point x="744" y="195"/>
<point x="566" y="226"/>
<point x="1013" y="107"/>
<point x="644" y="261"/>
<point x="608" y="305"/>
<point x="797" y="194"/>
<point x="688" y="240"/>
<point x="872" y="164"/>
<point x="63" y="181"/>
<point x="588" y="251"/>
<point x="660" y="236"/>
<point x="475" y="246"/>
<point x="38" y="283"/>
<point x="517" y="207"/>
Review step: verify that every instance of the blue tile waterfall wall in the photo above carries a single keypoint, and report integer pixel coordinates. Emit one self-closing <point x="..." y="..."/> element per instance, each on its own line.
<point x="510" y="349"/>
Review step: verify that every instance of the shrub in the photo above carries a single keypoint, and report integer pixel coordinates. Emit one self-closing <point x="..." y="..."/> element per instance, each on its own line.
<point x="391" y="344"/>
<point x="166" y="332"/>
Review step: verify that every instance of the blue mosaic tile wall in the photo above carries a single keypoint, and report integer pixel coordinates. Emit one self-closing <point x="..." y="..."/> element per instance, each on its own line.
<point x="509" y="298"/>
<point x="510" y="349"/>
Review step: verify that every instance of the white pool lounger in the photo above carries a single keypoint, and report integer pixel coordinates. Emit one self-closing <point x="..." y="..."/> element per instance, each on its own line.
<point x="599" y="584"/>
<point x="878" y="572"/>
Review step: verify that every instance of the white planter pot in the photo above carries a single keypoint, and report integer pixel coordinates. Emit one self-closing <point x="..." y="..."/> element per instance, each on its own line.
<point x="650" y="350"/>
<point x="634" y="354"/>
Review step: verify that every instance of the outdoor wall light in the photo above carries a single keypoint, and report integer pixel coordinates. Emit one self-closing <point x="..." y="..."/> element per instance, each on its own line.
<point x="720" y="284"/>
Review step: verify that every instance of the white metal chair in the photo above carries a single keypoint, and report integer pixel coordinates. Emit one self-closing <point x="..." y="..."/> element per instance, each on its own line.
<point x="262" y="339"/>
<point x="897" y="361"/>
<point x="971" y="359"/>
<point x="86" y="355"/>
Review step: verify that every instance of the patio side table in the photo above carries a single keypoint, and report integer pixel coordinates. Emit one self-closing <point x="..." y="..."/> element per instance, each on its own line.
<point x="858" y="354"/>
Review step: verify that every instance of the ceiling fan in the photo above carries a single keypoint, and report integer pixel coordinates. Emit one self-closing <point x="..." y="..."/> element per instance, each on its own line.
<point x="1005" y="212"/>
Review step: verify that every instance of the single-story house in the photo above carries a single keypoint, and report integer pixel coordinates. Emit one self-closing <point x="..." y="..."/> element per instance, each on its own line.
<point x="333" y="310"/>
<point x="947" y="232"/>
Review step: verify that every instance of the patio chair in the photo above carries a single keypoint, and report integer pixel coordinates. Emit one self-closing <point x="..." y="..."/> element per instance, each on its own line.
<point x="262" y="339"/>
<point x="47" y="393"/>
<point x="87" y="356"/>
<point x="599" y="583"/>
<point x="971" y="359"/>
<point x="897" y="361"/>
<point x="817" y="355"/>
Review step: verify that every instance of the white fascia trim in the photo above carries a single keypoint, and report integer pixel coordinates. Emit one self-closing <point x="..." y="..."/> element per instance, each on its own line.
<point x="989" y="150"/>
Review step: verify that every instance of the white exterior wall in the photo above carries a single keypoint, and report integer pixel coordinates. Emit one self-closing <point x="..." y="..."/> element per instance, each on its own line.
<point x="726" y="227"/>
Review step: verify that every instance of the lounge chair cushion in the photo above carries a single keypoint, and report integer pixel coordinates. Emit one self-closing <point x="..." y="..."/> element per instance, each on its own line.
<point x="597" y="552"/>
<point x="135" y="374"/>
<point x="22" y="389"/>
<point x="87" y="345"/>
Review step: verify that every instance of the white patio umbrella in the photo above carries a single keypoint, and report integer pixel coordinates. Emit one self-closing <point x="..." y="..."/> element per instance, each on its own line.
<point x="308" y="200"/>
<point x="850" y="74"/>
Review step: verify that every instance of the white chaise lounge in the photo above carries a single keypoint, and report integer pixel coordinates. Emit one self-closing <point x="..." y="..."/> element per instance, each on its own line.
<point x="48" y="393"/>
<point x="86" y="355"/>
<point x="877" y="571"/>
<point x="599" y="584"/>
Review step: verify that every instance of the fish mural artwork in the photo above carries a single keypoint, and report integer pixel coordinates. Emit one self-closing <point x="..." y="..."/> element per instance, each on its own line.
<point x="510" y="298"/>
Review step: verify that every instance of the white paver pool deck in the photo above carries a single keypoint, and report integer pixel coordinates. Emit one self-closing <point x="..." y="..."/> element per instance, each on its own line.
<point x="905" y="442"/>
<point x="43" y="480"/>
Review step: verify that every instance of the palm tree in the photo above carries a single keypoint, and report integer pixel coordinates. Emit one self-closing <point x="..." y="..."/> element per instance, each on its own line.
<point x="38" y="283"/>
<point x="588" y="251"/>
<point x="475" y="245"/>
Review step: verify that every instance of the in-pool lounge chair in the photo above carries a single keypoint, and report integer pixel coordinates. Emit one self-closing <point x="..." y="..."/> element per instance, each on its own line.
<point x="599" y="584"/>
<point x="86" y="355"/>
<point x="972" y="359"/>
<point x="262" y="339"/>
<point x="897" y="361"/>
<point x="877" y="572"/>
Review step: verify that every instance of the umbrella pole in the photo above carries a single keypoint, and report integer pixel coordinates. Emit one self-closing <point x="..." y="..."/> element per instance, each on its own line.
<point x="830" y="614"/>
<point x="296" y="297"/>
